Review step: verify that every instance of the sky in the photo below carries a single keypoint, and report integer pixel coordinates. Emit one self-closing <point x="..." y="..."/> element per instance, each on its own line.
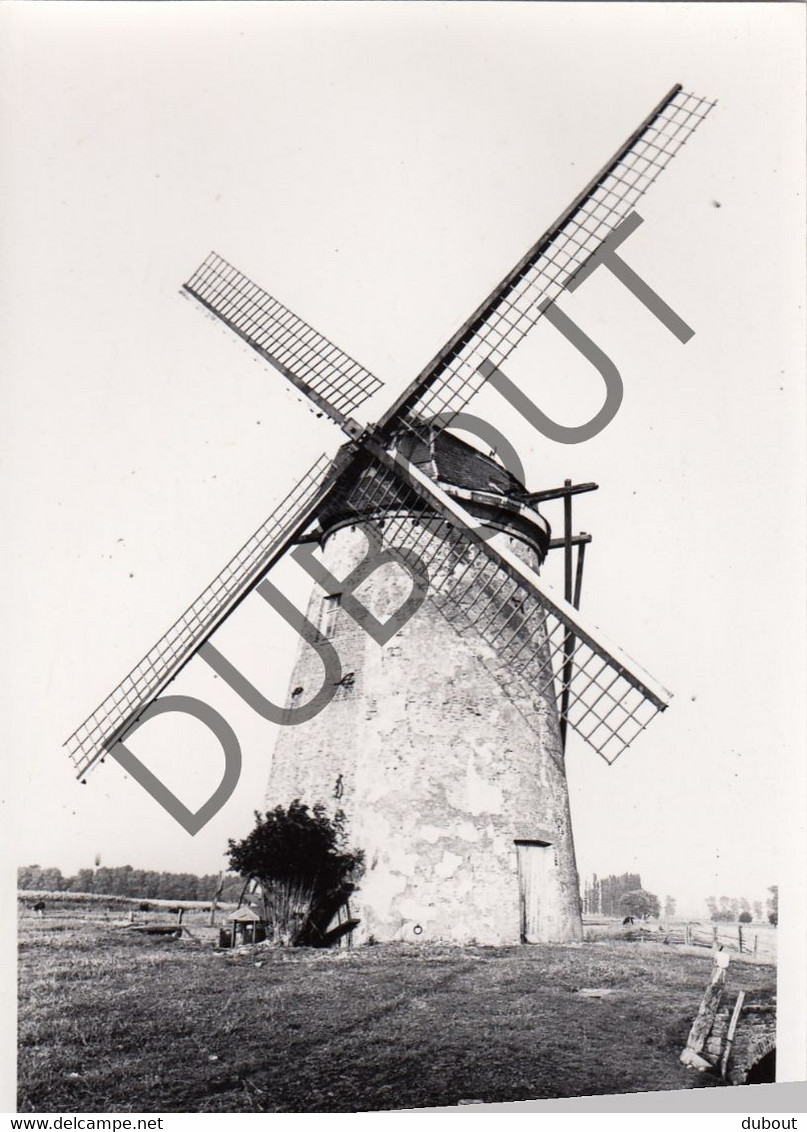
<point x="378" y="168"/>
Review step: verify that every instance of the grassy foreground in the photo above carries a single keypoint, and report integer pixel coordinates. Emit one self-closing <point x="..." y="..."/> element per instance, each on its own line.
<point x="111" y="1021"/>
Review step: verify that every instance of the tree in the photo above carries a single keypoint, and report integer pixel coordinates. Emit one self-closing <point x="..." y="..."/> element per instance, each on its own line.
<point x="745" y="917"/>
<point x="669" y="907"/>
<point x="83" y="881"/>
<point x="33" y="876"/>
<point x="52" y="880"/>
<point x="591" y="896"/>
<point x="723" y="913"/>
<point x="773" y="905"/>
<point x="640" y="903"/>
<point x="613" y="888"/>
<point x="304" y="869"/>
<point x="29" y="876"/>
<point x="757" y="909"/>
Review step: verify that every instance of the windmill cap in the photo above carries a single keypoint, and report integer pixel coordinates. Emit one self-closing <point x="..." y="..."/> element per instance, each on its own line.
<point x="478" y="482"/>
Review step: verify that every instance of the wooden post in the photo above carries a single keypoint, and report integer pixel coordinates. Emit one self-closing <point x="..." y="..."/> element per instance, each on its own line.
<point x="735" y="1017"/>
<point x="714" y="933"/>
<point x="705" y="1017"/>
<point x="568" y="643"/>
<point x="567" y="542"/>
<point x="740" y="937"/>
<point x="756" y="941"/>
<point x="216" y="897"/>
<point x="578" y="577"/>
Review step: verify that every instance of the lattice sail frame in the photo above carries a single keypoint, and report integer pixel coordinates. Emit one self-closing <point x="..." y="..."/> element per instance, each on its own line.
<point x="115" y="714"/>
<point x="504" y="319"/>
<point x="309" y="360"/>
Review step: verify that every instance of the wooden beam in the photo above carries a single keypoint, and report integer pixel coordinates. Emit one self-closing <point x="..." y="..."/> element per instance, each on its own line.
<point x="735" y="1017"/>
<point x="561" y="492"/>
<point x="569" y="642"/>
<point x="578" y="580"/>
<point x="576" y="540"/>
<point x="567" y="542"/>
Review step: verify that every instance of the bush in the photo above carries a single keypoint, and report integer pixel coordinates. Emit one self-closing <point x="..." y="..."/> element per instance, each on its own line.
<point x="745" y="917"/>
<point x="299" y="858"/>
<point x="640" y="903"/>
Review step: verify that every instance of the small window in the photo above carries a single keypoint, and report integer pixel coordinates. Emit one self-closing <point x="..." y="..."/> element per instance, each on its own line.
<point x="330" y="608"/>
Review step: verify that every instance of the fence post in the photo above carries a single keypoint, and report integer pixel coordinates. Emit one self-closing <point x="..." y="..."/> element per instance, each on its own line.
<point x="714" y="933"/>
<point x="704" y="1019"/>
<point x="740" y="937"/>
<point x="216" y="897"/>
<point x="756" y="941"/>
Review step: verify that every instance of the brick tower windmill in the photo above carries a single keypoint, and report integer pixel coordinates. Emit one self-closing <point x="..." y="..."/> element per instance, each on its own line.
<point x="448" y="764"/>
<point x="451" y="671"/>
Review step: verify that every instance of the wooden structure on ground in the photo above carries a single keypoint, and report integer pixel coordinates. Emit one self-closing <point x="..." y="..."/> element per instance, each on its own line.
<point x="733" y="1034"/>
<point x="167" y="930"/>
<point x="245" y="927"/>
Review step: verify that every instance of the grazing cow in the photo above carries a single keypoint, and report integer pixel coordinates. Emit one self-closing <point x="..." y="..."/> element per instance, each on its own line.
<point x="39" y="907"/>
<point x="627" y="920"/>
<point x="144" y="907"/>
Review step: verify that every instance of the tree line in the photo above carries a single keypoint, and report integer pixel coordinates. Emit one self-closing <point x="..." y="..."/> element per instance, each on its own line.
<point x="622" y="895"/>
<point x="728" y="909"/>
<point x="602" y="895"/>
<point x="124" y="880"/>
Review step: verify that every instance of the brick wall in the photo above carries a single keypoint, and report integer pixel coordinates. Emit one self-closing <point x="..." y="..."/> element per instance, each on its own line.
<point x="440" y="760"/>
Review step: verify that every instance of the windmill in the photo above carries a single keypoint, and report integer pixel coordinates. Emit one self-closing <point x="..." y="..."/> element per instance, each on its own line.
<point x="467" y="539"/>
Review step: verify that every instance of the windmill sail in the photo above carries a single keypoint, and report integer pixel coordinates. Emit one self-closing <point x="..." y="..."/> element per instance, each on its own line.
<point x="335" y="382"/>
<point x="610" y="699"/>
<point x="481" y="587"/>
<point x="116" y="714"/>
<point x="508" y="314"/>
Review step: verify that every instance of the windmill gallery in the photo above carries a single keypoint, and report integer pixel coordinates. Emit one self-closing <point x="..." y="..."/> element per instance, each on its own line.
<point x="450" y="769"/>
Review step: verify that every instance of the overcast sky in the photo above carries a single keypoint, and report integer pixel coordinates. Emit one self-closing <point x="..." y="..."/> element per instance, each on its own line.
<point x="378" y="168"/>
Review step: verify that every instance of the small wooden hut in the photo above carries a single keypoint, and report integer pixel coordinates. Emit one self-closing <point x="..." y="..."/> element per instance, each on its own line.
<point x="245" y="926"/>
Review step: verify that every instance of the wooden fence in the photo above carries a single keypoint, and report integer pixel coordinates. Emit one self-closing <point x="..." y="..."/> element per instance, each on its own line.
<point x="742" y="938"/>
<point x="756" y="940"/>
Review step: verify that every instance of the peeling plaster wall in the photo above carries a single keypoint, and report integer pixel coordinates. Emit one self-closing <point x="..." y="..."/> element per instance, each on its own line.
<point x="438" y="771"/>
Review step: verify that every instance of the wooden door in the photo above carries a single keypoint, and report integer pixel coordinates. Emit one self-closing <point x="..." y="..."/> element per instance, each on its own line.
<point x="534" y="865"/>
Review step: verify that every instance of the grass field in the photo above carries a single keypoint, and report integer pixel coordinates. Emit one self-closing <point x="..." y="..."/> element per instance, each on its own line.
<point x="114" y="1021"/>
